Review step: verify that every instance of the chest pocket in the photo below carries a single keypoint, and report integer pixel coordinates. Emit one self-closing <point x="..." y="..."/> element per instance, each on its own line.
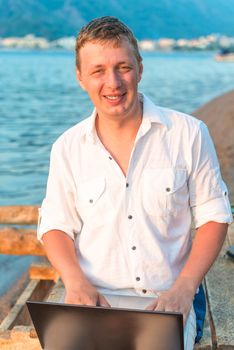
<point x="93" y="201"/>
<point x="165" y="191"/>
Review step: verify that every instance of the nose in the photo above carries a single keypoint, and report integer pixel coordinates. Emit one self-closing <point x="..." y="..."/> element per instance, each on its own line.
<point x="113" y="79"/>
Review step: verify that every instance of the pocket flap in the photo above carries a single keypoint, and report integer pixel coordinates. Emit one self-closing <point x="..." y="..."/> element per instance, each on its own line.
<point x="91" y="190"/>
<point x="167" y="180"/>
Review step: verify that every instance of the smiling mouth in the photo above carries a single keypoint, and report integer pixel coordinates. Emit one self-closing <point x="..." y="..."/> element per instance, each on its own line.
<point x="114" y="97"/>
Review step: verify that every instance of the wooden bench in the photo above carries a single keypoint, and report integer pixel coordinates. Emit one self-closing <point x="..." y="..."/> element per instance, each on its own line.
<point x="19" y="238"/>
<point x="16" y="330"/>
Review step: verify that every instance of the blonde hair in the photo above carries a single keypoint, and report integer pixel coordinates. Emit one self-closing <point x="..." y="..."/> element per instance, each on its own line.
<point x="104" y="29"/>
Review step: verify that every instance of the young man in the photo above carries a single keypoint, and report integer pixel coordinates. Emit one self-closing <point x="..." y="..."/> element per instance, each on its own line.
<point x="124" y="185"/>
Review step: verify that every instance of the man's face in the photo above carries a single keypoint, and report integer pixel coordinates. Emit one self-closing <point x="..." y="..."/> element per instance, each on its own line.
<point x="110" y="75"/>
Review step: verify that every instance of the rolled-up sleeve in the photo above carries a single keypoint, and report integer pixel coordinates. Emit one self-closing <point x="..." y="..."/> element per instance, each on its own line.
<point x="58" y="209"/>
<point x="208" y="193"/>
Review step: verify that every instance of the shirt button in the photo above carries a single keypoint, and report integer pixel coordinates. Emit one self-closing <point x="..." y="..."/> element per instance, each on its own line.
<point x="168" y="189"/>
<point x="134" y="248"/>
<point x="127" y="184"/>
<point x="138" y="279"/>
<point x="144" y="291"/>
<point x="110" y="157"/>
<point x="129" y="217"/>
<point x="225" y="193"/>
<point x="91" y="201"/>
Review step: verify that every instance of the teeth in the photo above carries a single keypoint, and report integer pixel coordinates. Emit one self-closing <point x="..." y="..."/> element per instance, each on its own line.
<point x="112" y="97"/>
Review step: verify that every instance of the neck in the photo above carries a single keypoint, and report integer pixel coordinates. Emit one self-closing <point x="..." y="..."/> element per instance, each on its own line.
<point x="118" y="127"/>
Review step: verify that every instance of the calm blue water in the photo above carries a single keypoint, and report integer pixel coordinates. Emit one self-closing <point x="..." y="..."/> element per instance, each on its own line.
<point x="40" y="98"/>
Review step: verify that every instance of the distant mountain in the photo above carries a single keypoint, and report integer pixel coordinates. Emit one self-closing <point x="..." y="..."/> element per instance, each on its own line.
<point x="147" y="18"/>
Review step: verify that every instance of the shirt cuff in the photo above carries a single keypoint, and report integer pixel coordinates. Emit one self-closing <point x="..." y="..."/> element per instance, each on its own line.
<point x="217" y="210"/>
<point x="43" y="227"/>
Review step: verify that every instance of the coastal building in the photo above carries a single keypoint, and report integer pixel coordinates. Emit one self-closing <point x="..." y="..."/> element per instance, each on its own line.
<point x="166" y="44"/>
<point x="27" y="42"/>
<point x="67" y="43"/>
<point x="147" y="45"/>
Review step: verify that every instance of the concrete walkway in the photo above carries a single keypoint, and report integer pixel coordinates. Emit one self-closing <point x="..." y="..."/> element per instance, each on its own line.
<point x="219" y="284"/>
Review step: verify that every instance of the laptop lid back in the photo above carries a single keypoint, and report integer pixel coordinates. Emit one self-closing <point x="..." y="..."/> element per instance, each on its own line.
<point x="75" y="327"/>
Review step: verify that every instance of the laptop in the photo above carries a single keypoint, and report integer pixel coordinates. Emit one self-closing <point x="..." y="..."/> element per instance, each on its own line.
<point x="77" y="327"/>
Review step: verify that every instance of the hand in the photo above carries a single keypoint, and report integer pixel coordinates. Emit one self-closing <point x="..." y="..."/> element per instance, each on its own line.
<point x="83" y="293"/>
<point x="178" y="298"/>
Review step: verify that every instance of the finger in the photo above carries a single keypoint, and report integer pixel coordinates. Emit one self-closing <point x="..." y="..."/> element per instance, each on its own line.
<point x="152" y="305"/>
<point x="102" y="301"/>
<point x="90" y="303"/>
<point x="89" y="300"/>
<point x="160" y="307"/>
<point x="71" y="300"/>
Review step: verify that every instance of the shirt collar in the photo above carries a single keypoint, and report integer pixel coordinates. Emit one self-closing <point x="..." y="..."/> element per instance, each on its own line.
<point x="151" y="114"/>
<point x="90" y="130"/>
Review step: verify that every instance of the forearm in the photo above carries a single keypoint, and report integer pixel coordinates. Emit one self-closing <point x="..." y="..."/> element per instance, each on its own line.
<point x="60" y="250"/>
<point x="206" y="246"/>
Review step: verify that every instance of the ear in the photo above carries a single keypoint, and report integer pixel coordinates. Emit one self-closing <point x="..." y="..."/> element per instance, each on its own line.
<point x="79" y="78"/>
<point x="140" y="71"/>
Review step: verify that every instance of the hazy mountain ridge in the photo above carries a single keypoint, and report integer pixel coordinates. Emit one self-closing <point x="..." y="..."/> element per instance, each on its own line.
<point x="148" y="19"/>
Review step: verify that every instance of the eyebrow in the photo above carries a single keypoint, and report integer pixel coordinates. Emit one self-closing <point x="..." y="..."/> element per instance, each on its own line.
<point x="124" y="62"/>
<point x="118" y="64"/>
<point x="96" y="66"/>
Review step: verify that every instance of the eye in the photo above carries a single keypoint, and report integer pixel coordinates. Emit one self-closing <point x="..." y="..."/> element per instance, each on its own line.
<point x="125" y="68"/>
<point x="97" y="71"/>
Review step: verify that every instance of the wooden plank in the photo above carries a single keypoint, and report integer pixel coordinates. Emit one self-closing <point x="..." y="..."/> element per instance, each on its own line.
<point x="43" y="271"/>
<point x="19" y="305"/>
<point x="19" y="214"/>
<point x="220" y="287"/>
<point x="16" y="330"/>
<point x="36" y="290"/>
<point x="20" y="242"/>
<point x="21" y="336"/>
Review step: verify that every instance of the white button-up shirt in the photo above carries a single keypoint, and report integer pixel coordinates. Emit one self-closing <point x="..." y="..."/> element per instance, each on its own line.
<point x="133" y="234"/>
